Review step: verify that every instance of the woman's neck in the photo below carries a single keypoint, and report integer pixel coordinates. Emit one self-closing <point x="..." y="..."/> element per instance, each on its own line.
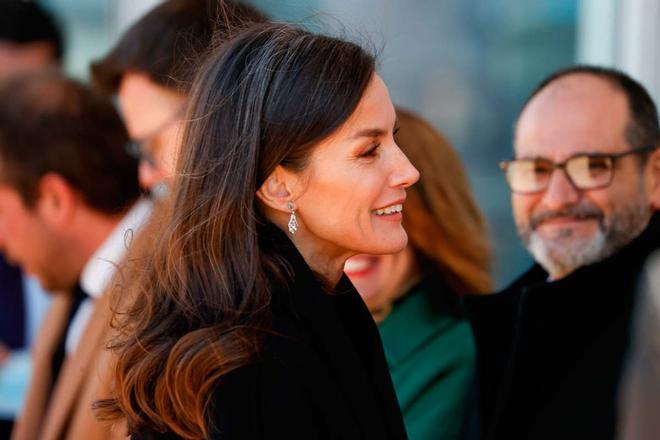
<point x="330" y="272"/>
<point x="329" y="265"/>
<point x="323" y="259"/>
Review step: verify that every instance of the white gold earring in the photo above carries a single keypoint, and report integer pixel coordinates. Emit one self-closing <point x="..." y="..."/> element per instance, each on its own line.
<point x="293" y="221"/>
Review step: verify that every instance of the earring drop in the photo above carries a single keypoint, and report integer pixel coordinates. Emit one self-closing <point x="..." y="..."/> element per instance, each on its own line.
<point x="293" y="221"/>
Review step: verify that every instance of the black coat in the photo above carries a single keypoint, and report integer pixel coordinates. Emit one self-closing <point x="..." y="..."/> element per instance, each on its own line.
<point x="550" y="354"/>
<point x="322" y="374"/>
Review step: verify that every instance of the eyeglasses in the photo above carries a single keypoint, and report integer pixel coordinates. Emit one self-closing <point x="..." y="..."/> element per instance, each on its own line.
<point x="584" y="171"/>
<point x="137" y="148"/>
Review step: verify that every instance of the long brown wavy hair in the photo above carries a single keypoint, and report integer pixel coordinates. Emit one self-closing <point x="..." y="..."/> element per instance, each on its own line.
<point x="198" y="288"/>
<point x="444" y="225"/>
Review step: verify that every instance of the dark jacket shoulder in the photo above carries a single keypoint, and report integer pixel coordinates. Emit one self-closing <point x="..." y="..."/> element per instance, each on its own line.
<point x="321" y="373"/>
<point x="550" y="354"/>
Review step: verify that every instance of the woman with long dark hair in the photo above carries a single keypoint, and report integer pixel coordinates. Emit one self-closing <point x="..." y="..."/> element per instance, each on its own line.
<point x="241" y="323"/>
<point x="415" y="294"/>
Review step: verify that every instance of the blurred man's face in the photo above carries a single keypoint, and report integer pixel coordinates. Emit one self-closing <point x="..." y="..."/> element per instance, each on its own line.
<point x="20" y="58"/>
<point x="27" y="240"/>
<point x="153" y="116"/>
<point x="565" y="227"/>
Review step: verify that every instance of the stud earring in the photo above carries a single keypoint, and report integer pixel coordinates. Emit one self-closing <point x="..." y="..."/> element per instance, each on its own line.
<point x="293" y="221"/>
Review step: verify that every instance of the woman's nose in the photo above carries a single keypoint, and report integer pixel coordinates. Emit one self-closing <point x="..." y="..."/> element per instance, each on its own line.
<point x="404" y="173"/>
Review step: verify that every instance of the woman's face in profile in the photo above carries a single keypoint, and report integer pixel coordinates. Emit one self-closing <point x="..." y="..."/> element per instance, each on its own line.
<point x="354" y="183"/>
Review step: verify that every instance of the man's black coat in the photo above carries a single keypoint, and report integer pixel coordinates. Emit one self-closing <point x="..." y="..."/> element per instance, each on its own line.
<point x="551" y="354"/>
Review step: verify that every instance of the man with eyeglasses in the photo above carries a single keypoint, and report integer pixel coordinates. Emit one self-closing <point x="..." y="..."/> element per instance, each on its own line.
<point x="585" y="185"/>
<point x="151" y="70"/>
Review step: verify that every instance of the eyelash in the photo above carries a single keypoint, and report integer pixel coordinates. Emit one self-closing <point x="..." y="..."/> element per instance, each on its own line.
<point x="371" y="152"/>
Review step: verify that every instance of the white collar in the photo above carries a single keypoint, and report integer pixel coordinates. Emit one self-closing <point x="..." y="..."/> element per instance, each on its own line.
<point x="100" y="268"/>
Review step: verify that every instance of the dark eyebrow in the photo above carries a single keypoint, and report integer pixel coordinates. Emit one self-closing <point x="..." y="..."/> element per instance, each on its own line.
<point x="371" y="132"/>
<point x="368" y="132"/>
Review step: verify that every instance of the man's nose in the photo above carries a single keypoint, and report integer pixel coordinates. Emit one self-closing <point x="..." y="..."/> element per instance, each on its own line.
<point x="560" y="191"/>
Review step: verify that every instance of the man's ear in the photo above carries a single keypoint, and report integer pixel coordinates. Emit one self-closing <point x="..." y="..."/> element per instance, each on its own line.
<point x="56" y="199"/>
<point x="276" y="192"/>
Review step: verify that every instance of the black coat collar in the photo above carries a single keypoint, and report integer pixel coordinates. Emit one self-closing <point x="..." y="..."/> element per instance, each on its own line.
<point x="569" y="332"/>
<point x="339" y="331"/>
<point x="604" y="283"/>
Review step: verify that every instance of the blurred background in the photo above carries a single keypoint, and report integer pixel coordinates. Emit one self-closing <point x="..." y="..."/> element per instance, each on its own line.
<point x="466" y="65"/>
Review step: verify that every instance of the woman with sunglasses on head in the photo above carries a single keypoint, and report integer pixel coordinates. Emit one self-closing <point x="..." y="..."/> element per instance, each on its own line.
<point x="244" y="325"/>
<point x="414" y="295"/>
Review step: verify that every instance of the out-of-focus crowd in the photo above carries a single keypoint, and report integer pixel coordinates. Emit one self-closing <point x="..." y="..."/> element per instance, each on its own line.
<point x="183" y="242"/>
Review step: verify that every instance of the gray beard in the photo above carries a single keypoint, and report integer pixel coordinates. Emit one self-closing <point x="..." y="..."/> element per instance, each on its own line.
<point x="563" y="253"/>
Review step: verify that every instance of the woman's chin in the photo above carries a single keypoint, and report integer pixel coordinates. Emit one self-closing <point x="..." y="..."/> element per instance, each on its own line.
<point x="390" y="243"/>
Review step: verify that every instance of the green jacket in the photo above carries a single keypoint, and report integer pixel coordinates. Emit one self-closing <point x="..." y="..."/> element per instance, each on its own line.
<point x="431" y="358"/>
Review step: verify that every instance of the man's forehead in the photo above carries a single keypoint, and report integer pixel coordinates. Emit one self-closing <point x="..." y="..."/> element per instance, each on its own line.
<point x="581" y="113"/>
<point x="146" y="105"/>
<point x="575" y="85"/>
<point x="16" y="58"/>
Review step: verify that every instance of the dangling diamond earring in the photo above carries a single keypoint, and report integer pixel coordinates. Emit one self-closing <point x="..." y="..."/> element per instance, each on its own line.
<point x="293" y="221"/>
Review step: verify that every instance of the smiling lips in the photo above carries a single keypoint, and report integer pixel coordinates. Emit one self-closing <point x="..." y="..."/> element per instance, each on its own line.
<point x="565" y="221"/>
<point x="575" y="214"/>
<point x="360" y="265"/>
<point x="389" y="210"/>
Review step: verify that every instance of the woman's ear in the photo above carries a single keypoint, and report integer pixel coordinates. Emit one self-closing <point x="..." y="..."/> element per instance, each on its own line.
<point x="276" y="190"/>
